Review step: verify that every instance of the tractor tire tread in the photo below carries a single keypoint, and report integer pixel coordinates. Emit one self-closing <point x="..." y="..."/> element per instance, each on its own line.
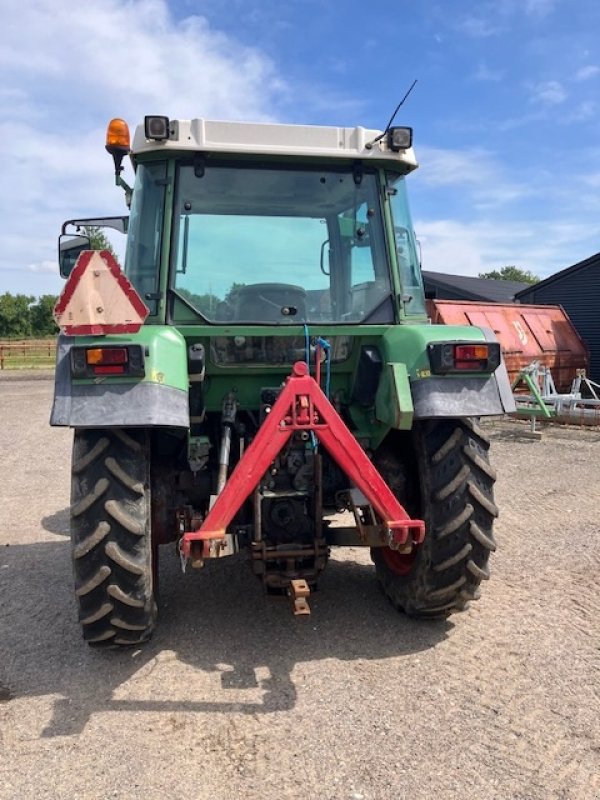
<point x="111" y="540"/>
<point x="86" y="545"/>
<point x="90" y="497"/>
<point x="456" y="502"/>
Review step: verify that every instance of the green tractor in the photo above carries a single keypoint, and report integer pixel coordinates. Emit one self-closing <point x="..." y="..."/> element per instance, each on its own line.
<point x="262" y="376"/>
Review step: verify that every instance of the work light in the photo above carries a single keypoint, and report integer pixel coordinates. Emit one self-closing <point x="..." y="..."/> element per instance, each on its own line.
<point x="156" y="128"/>
<point x="399" y="138"/>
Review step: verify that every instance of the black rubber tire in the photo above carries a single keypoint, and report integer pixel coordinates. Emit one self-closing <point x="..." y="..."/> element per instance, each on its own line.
<point x="111" y="542"/>
<point x="454" y="496"/>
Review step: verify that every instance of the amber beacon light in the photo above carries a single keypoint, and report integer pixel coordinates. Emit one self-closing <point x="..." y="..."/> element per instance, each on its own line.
<point x="117" y="135"/>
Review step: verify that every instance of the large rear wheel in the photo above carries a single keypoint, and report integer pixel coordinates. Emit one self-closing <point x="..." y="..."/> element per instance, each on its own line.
<point x="454" y="495"/>
<point x="111" y="542"/>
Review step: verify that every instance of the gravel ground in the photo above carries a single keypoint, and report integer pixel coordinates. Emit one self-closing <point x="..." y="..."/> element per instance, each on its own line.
<point x="234" y="697"/>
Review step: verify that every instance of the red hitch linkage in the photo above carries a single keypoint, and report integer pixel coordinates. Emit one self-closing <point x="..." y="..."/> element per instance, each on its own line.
<point x="303" y="406"/>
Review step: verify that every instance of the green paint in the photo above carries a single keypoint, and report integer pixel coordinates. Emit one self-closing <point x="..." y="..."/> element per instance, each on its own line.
<point x="166" y="355"/>
<point x="393" y="401"/>
<point x="408" y="344"/>
<point x="539" y="407"/>
<point x="166" y="362"/>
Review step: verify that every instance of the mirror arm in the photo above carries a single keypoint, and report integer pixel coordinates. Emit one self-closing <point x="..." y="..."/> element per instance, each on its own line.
<point x="119" y="181"/>
<point x="118" y="153"/>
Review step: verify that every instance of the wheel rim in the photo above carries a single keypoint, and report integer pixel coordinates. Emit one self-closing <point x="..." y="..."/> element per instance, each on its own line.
<point x="399" y="563"/>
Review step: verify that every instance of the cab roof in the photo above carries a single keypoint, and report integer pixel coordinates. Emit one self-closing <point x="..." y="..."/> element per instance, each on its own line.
<point x="270" y="139"/>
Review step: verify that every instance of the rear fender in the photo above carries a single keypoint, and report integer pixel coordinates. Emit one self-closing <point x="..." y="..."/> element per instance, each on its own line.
<point x="160" y="398"/>
<point x="437" y="396"/>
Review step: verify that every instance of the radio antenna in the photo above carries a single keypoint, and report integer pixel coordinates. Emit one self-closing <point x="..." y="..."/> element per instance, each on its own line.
<point x="389" y="125"/>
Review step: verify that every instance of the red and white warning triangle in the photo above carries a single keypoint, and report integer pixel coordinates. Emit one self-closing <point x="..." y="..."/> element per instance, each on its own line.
<point x="98" y="299"/>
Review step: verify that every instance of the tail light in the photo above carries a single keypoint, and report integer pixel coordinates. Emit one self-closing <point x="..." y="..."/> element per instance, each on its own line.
<point x="87" y="362"/>
<point x="457" y="357"/>
<point x="107" y="360"/>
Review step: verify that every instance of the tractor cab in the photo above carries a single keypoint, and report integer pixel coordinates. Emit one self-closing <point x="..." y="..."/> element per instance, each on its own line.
<point x="309" y="232"/>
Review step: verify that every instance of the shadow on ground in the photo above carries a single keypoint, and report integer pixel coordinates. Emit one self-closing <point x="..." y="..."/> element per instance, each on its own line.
<point x="58" y="522"/>
<point x="217" y="620"/>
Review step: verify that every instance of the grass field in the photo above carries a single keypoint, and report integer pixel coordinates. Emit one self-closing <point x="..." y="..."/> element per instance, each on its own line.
<point x="27" y="353"/>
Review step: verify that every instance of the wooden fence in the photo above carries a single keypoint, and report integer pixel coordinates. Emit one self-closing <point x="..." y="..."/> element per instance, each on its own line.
<point x="27" y="353"/>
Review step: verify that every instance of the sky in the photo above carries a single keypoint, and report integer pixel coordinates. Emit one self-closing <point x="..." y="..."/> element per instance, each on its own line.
<point x="506" y="110"/>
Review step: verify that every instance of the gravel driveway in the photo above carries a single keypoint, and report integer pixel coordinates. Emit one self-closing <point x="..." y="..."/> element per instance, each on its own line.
<point x="236" y="698"/>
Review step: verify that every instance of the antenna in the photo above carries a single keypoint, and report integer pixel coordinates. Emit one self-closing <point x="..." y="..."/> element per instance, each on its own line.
<point x="369" y="145"/>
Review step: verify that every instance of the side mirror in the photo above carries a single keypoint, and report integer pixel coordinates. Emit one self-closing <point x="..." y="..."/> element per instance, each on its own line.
<point x="69" y="249"/>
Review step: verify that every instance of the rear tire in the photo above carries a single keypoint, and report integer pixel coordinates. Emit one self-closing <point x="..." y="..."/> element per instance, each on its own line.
<point x="111" y="542"/>
<point x="455" y="498"/>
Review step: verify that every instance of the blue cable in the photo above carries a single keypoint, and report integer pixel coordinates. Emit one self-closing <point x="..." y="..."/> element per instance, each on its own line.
<point x="307" y="346"/>
<point x="313" y="439"/>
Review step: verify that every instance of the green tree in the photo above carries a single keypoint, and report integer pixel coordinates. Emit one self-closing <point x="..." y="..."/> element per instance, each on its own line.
<point x="98" y="239"/>
<point x="231" y="296"/>
<point x="15" y="315"/>
<point x="42" y="320"/>
<point x="203" y="302"/>
<point x="510" y="273"/>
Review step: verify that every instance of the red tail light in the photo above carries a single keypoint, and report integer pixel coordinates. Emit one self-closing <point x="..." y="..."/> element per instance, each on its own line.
<point x="471" y="356"/>
<point x="106" y="356"/>
<point x="455" y="357"/>
<point x="107" y="360"/>
<point x="89" y="361"/>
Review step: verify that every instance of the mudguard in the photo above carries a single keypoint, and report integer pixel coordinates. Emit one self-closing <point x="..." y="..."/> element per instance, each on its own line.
<point x="160" y="398"/>
<point x="414" y="392"/>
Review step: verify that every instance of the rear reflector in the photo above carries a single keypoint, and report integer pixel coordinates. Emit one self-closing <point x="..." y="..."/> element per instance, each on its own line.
<point x="106" y="356"/>
<point x="115" y="369"/>
<point x="470" y="352"/>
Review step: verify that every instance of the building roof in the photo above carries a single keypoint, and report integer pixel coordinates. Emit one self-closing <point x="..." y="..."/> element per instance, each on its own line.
<point x="495" y="291"/>
<point x="592" y="261"/>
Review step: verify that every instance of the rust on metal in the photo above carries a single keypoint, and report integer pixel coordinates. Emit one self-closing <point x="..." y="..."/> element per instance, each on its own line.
<point x="526" y="333"/>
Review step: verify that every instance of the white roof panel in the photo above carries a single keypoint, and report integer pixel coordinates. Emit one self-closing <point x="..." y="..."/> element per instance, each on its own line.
<point x="275" y="139"/>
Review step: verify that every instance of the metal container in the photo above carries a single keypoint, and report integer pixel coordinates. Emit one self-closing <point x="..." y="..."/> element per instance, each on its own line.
<point x="526" y="333"/>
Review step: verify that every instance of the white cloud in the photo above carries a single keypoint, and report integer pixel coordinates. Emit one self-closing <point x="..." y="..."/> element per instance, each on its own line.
<point x="478" y="27"/>
<point x="585" y="73"/>
<point x="484" y="219"/>
<point x="484" y="73"/>
<point x="462" y="248"/>
<point x="450" y="246"/>
<point x="477" y="172"/>
<point x="540" y="8"/>
<point x="592" y="179"/>
<point x="446" y="167"/>
<point x="43" y="266"/>
<point x="497" y="17"/>
<point x="134" y="55"/>
<point x="583" y="112"/>
<point x="548" y="93"/>
<point x="79" y="66"/>
<point x="540" y="246"/>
